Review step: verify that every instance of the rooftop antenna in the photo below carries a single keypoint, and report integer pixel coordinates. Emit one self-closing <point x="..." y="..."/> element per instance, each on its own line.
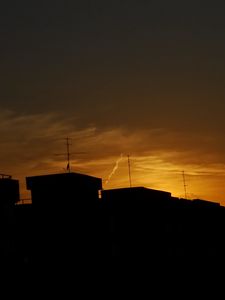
<point x="128" y="161"/>
<point x="184" y="182"/>
<point x="68" y="153"/>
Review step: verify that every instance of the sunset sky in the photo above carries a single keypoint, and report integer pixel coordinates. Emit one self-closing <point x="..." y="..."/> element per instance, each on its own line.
<point x="144" y="78"/>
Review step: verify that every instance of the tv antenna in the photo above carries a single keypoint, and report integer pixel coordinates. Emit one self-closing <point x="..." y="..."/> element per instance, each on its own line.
<point x="68" y="153"/>
<point x="128" y="161"/>
<point x="185" y="186"/>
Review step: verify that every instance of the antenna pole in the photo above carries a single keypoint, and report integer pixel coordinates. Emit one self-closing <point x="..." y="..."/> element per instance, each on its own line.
<point x="68" y="153"/>
<point x="128" y="160"/>
<point x="185" y="190"/>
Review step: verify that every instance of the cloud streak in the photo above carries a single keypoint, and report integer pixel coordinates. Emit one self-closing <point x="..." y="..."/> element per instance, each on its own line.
<point x="29" y="143"/>
<point x="114" y="169"/>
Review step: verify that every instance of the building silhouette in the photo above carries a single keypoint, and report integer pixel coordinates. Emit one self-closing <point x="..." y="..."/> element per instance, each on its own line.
<point x="72" y="219"/>
<point x="132" y="224"/>
<point x="9" y="196"/>
<point x="149" y="223"/>
<point x="65" y="212"/>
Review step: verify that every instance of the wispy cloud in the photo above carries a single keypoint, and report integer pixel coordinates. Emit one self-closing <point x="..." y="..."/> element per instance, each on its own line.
<point x="29" y="143"/>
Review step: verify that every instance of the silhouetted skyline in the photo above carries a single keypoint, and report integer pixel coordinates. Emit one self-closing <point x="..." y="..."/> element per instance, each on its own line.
<point x="144" y="78"/>
<point x="72" y="218"/>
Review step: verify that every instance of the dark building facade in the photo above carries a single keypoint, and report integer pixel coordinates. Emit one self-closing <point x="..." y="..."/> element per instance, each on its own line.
<point x="146" y="223"/>
<point x="9" y="189"/>
<point x="66" y="215"/>
<point x="69" y="223"/>
<point x="65" y="188"/>
<point x="134" y="216"/>
<point x="9" y="196"/>
<point x="24" y="234"/>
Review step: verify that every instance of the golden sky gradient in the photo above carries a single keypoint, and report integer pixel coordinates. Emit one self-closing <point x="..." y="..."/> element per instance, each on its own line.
<point x="144" y="78"/>
<point x="157" y="157"/>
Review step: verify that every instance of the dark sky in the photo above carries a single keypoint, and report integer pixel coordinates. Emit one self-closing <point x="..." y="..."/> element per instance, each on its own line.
<point x="150" y="69"/>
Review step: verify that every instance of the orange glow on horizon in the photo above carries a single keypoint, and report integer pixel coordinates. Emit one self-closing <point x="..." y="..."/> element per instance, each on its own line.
<point x="150" y="172"/>
<point x="158" y="158"/>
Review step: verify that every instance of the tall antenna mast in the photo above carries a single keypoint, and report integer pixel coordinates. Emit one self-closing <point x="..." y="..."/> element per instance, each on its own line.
<point x="128" y="161"/>
<point x="185" y="190"/>
<point x="68" y="153"/>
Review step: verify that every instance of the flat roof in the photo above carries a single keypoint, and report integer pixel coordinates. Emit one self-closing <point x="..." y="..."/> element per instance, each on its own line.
<point x="62" y="177"/>
<point x="137" y="189"/>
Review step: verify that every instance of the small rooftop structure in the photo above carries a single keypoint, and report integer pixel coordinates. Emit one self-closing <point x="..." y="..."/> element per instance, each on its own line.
<point x="9" y="189"/>
<point x="134" y="196"/>
<point x="137" y="192"/>
<point x="63" y="186"/>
